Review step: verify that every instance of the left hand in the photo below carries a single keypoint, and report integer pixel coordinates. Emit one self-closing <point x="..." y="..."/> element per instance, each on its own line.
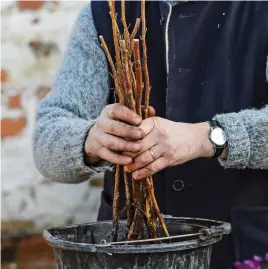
<point x="169" y="143"/>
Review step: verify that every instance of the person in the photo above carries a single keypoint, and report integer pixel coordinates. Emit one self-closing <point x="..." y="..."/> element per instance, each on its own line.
<point x="208" y="145"/>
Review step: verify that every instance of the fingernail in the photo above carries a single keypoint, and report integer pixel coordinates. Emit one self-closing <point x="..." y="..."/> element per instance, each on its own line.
<point x="126" y="169"/>
<point x="138" y="120"/>
<point x="129" y="160"/>
<point x="141" y="133"/>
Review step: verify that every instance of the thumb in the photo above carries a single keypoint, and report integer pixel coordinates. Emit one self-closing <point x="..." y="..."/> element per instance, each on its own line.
<point x="147" y="125"/>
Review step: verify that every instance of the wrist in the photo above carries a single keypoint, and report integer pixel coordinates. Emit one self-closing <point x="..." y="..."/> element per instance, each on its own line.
<point x="224" y="155"/>
<point x="206" y="147"/>
<point x="91" y="160"/>
<point x="90" y="155"/>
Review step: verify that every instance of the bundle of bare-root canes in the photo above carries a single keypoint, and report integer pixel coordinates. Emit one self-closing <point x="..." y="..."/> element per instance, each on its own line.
<point x="128" y="71"/>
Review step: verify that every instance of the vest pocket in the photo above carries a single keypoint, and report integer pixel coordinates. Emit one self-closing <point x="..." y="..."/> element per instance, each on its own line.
<point x="250" y="232"/>
<point x="106" y="208"/>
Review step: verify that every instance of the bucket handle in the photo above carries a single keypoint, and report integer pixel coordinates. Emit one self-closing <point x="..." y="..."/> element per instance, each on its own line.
<point x="215" y="231"/>
<point x="220" y="228"/>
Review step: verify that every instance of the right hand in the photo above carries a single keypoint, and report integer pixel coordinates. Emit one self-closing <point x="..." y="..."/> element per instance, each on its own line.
<point x="116" y="130"/>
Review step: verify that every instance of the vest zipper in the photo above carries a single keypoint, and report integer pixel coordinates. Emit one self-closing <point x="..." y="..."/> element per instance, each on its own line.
<point x="167" y="48"/>
<point x="166" y="36"/>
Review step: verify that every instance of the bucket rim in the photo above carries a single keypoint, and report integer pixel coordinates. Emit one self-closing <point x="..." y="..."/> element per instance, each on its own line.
<point x="212" y="232"/>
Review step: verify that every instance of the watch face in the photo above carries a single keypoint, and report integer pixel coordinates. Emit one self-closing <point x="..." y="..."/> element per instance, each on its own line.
<point x="218" y="136"/>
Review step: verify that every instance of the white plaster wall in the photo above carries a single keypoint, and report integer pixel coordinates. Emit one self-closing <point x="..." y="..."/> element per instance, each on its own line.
<point x="26" y="195"/>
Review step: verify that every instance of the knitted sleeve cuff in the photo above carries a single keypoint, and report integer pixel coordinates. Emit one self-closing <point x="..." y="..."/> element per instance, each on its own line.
<point x="75" y="159"/>
<point x="238" y="140"/>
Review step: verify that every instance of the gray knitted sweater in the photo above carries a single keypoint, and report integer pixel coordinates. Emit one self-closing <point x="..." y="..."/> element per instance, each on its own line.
<point x="80" y="92"/>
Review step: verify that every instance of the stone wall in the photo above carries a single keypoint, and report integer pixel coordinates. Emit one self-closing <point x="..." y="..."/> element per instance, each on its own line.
<point x="33" y="40"/>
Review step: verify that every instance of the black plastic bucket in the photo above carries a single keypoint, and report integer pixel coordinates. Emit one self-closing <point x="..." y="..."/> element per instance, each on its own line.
<point x="90" y="246"/>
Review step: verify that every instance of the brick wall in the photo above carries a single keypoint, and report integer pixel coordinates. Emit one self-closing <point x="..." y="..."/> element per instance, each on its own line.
<point x="33" y="40"/>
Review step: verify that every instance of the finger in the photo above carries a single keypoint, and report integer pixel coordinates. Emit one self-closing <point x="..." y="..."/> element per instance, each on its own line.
<point x="145" y="158"/>
<point x="113" y="157"/>
<point x="151" y="111"/>
<point x="124" y="130"/>
<point x="146" y="143"/>
<point x="133" y="155"/>
<point x="122" y="113"/>
<point x="151" y="169"/>
<point x="119" y="144"/>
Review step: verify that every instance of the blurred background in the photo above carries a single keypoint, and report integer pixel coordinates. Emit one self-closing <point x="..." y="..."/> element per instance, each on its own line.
<point x="34" y="36"/>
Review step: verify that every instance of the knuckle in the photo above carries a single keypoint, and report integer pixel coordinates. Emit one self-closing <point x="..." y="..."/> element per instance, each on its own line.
<point x="101" y="140"/>
<point x="150" y="169"/>
<point x="136" y="146"/>
<point x="115" y="158"/>
<point x="131" y="132"/>
<point x="172" y="156"/>
<point x="127" y="146"/>
<point x="132" y="117"/>
<point x="129" y="114"/>
<point x="110" y="143"/>
<point x="109" y="107"/>
<point x="102" y="123"/>
<point x="121" y="109"/>
<point x="127" y="129"/>
<point x="133" y="147"/>
<point x="97" y="123"/>
<point x="119" y="145"/>
<point x="162" y="133"/>
<point x="169" y="148"/>
<point x="109" y="110"/>
<point x="142" y="159"/>
<point x="171" y="152"/>
<point x="111" y="127"/>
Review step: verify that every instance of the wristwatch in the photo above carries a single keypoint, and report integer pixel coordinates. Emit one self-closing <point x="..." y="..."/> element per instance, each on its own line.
<point x="218" y="138"/>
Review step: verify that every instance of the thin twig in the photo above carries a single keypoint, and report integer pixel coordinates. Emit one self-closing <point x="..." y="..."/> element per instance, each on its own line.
<point x="126" y="32"/>
<point x="135" y="30"/>
<point x="128" y="199"/>
<point x="133" y="77"/>
<point x="141" y="205"/>
<point x="157" y="211"/>
<point x="116" y="36"/>
<point x="137" y="216"/>
<point x="138" y="73"/>
<point x="145" y="65"/>
<point x="116" y="202"/>
<point x="150" y="214"/>
<point x="110" y="60"/>
<point x="147" y="100"/>
<point x="127" y="75"/>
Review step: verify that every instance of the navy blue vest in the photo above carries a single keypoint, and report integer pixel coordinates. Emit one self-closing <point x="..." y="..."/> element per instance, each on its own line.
<point x="216" y="58"/>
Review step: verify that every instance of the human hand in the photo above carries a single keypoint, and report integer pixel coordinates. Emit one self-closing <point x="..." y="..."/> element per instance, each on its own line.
<point x="113" y="131"/>
<point x="168" y="143"/>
